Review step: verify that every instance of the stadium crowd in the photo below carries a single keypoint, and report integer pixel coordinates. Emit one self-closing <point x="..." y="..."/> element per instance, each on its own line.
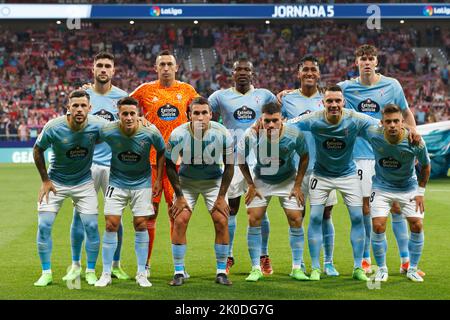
<point x="39" y="66"/>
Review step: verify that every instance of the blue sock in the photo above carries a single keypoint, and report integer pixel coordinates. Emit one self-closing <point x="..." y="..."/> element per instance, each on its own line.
<point x="265" y="230"/>
<point x="315" y="234"/>
<point x="368" y="229"/>
<point x="357" y="234"/>
<point x="221" y="251"/>
<point x="415" y="247"/>
<point x="90" y="223"/>
<point x="76" y="236"/>
<point x="296" y="241"/>
<point x="254" y="244"/>
<point x="231" y="230"/>
<point x="109" y="246"/>
<point x="328" y="239"/>
<point x="119" y="242"/>
<point x="379" y="246"/>
<point x="178" y="253"/>
<point x="141" y="248"/>
<point x="44" y="238"/>
<point x="400" y="228"/>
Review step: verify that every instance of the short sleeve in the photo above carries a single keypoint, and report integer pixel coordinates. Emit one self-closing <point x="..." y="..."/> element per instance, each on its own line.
<point x="214" y="102"/>
<point x="44" y="140"/>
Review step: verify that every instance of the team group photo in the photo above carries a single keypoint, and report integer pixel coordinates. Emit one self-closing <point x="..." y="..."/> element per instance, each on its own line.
<point x="238" y="160"/>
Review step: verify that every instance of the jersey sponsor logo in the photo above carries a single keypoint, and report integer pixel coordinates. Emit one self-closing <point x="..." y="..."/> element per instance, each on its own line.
<point x="129" y="157"/>
<point x="334" y="144"/>
<point x="168" y="112"/>
<point x="77" y="153"/>
<point x="105" y="115"/>
<point x="368" y="106"/>
<point x="245" y="114"/>
<point x="389" y="163"/>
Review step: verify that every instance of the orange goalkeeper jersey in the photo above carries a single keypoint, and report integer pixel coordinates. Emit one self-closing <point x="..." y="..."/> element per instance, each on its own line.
<point x="165" y="107"/>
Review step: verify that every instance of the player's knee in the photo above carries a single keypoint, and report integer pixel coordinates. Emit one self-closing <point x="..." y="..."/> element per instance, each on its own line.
<point x="295" y="222"/>
<point x="254" y="221"/>
<point x="140" y="224"/>
<point x="112" y="226"/>
<point x="220" y="222"/>
<point x="44" y="228"/>
<point x="378" y="226"/>
<point x="181" y="221"/>
<point x="315" y="219"/>
<point x="416" y="226"/>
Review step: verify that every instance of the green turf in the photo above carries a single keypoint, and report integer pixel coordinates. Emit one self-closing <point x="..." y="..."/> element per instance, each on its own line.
<point x="19" y="262"/>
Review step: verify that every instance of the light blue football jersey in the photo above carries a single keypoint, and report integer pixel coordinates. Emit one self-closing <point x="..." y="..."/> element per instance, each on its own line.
<point x="105" y="106"/>
<point x="200" y="159"/>
<point x="335" y="142"/>
<point x="130" y="162"/>
<point x="239" y="111"/>
<point x="274" y="160"/>
<point x="73" y="150"/>
<point x="370" y="100"/>
<point x="295" y="104"/>
<point x="395" y="163"/>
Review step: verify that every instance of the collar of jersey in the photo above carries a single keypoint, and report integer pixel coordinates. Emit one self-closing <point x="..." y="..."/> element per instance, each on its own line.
<point x="333" y="124"/>
<point x="276" y="140"/>
<point x="252" y="88"/>
<point x="127" y="136"/>
<point x="299" y="91"/>
<point x="359" y="81"/>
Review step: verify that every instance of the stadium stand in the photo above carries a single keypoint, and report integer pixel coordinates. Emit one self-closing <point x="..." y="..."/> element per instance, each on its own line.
<point x="41" y="61"/>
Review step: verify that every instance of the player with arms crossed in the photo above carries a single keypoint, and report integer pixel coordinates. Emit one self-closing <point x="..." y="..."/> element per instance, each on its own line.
<point x="304" y="100"/>
<point x="103" y="98"/>
<point x="275" y="174"/>
<point x="368" y="94"/>
<point x="240" y="106"/>
<point x="164" y="103"/>
<point x="335" y="130"/>
<point x="130" y="182"/>
<point x="395" y="180"/>
<point x="72" y="138"/>
<point x="203" y="146"/>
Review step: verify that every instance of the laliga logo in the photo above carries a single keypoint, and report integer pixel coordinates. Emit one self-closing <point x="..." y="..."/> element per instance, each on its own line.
<point x="155" y="11"/>
<point x="428" y="11"/>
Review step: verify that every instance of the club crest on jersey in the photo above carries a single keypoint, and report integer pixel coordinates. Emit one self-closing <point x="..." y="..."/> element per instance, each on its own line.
<point x="129" y="157"/>
<point x="369" y="106"/>
<point x="77" y="153"/>
<point x="168" y="112"/>
<point x="155" y="99"/>
<point x="334" y="144"/>
<point x="179" y="97"/>
<point x="244" y="114"/>
<point x="105" y="115"/>
<point x="389" y="163"/>
<point x="257" y="99"/>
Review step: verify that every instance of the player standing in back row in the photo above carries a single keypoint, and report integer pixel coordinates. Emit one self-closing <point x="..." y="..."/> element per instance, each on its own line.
<point x="240" y="106"/>
<point x="164" y="103"/>
<point x="103" y="99"/>
<point x="368" y="94"/>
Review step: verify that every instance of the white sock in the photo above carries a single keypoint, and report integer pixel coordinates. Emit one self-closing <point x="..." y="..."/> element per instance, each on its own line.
<point x="90" y="270"/>
<point x="49" y="271"/>
<point x="76" y="264"/>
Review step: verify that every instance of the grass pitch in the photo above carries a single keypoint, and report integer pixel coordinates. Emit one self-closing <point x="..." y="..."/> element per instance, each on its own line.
<point x="20" y="267"/>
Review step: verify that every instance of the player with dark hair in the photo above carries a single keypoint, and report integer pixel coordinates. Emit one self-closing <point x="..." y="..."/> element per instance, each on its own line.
<point x="304" y="100"/>
<point x="164" y="103"/>
<point x="239" y="107"/>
